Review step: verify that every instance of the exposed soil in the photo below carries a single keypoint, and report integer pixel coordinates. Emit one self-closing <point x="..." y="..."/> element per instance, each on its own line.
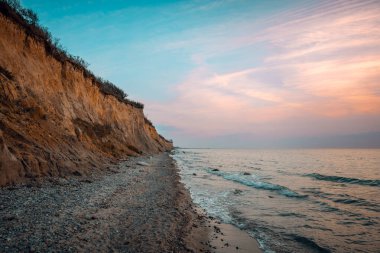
<point x="57" y="121"/>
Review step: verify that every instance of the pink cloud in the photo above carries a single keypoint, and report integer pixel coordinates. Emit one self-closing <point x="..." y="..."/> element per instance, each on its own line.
<point x="327" y="60"/>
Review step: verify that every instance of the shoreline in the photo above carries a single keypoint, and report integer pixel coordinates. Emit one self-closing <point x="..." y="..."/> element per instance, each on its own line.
<point x="139" y="205"/>
<point x="211" y="235"/>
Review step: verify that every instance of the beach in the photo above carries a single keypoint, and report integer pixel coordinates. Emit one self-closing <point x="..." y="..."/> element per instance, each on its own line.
<point x="136" y="205"/>
<point x="189" y="126"/>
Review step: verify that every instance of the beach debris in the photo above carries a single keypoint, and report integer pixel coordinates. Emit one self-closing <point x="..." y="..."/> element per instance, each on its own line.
<point x="9" y="217"/>
<point x="246" y="174"/>
<point x="216" y="229"/>
<point x="88" y="181"/>
<point x="112" y="169"/>
<point x="90" y="217"/>
<point x="237" y="191"/>
<point x="256" y="168"/>
<point x="59" y="181"/>
<point x="77" y="173"/>
<point x="143" y="163"/>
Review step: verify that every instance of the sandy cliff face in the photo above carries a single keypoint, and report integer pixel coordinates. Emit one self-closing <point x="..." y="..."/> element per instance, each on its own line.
<point x="54" y="120"/>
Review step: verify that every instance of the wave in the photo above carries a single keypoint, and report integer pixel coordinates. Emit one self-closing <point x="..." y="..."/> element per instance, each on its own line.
<point x="248" y="181"/>
<point x="348" y="180"/>
<point x="310" y="243"/>
<point x="345" y="199"/>
<point x="293" y="214"/>
<point x="357" y="202"/>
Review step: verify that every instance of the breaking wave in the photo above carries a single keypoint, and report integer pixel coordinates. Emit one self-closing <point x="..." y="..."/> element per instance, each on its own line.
<point x="251" y="182"/>
<point x="347" y="180"/>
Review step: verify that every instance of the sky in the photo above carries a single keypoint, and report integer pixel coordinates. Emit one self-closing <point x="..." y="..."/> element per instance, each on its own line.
<point x="236" y="73"/>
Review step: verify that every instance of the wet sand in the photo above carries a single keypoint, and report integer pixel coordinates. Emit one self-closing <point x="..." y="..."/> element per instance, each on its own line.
<point x="138" y="205"/>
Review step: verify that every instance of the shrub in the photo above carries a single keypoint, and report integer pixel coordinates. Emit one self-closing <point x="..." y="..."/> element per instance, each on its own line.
<point x="134" y="103"/>
<point x="162" y="137"/>
<point x="147" y="121"/>
<point x="30" y="16"/>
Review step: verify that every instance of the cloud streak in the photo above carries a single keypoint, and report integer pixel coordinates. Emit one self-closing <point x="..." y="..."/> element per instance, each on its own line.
<point x="321" y="64"/>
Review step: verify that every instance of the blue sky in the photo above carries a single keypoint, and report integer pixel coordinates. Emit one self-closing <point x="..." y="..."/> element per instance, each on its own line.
<point x="137" y="44"/>
<point x="270" y="73"/>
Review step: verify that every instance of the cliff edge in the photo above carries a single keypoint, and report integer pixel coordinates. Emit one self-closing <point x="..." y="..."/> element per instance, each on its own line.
<point x="54" y="118"/>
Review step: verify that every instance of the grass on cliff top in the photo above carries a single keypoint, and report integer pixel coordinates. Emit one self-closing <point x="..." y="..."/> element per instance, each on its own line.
<point x="29" y="21"/>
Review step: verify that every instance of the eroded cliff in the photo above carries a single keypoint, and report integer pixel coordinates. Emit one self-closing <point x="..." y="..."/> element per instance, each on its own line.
<point x="54" y="120"/>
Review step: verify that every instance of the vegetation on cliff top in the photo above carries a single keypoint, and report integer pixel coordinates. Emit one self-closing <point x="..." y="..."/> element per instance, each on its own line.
<point x="28" y="20"/>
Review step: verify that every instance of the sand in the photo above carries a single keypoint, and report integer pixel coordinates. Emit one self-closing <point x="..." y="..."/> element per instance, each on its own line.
<point x="138" y="205"/>
<point x="210" y="235"/>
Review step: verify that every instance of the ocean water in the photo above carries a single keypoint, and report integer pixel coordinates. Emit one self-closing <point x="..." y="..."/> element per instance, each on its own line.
<point x="312" y="200"/>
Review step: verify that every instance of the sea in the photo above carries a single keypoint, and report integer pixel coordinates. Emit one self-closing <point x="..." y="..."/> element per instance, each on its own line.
<point x="307" y="200"/>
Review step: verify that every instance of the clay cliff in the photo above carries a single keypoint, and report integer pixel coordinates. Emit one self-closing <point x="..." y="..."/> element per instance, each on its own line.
<point x="55" y="120"/>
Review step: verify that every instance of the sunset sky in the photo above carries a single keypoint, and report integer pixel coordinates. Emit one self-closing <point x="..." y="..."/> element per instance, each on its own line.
<point x="236" y="73"/>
